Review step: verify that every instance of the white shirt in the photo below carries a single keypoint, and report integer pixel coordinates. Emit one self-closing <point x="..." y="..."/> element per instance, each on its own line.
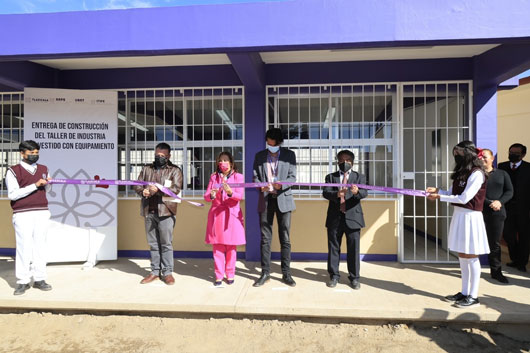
<point x="342" y="175"/>
<point x="474" y="182"/>
<point x="14" y="191"/>
<point x="516" y="164"/>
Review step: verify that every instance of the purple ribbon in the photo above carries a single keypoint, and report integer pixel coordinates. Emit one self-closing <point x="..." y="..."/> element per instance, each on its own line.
<point x="162" y="188"/>
<point x="408" y="192"/>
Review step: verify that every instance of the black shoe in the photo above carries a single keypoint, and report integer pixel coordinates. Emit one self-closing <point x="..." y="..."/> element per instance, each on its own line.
<point x="454" y="298"/>
<point x="332" y="283"/>
<point x="467" y="302"/>
<point x="264" y="278"/>
<point x="287" y="279"/>
<point x="355" y="284"/>
<point x="512" y="264"/>
<point x="521" y="268"/>
<point x="21" y="289"/>
<point x="499" y="277"/>
<point x="42" y="285"/>
<point x="217" y="283"/>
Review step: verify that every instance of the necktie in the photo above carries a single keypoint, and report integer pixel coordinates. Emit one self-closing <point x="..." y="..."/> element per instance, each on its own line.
<point x="514" y="166"/>
<point x="342" y="199"/>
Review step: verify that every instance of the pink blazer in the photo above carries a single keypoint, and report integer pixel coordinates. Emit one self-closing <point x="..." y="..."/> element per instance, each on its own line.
<point x="225" y="219"/>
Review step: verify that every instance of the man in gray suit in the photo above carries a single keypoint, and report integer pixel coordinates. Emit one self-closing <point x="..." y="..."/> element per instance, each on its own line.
<point x="273" y="165"/>
<point x="345" y="215"/>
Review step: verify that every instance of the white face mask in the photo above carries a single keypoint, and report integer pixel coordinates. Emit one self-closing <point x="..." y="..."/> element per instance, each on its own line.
<point x="273" y="149"/>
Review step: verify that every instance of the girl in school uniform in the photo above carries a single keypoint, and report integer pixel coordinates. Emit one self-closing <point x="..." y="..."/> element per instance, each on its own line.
<point x="467" y="232"/>
<point x="225" y="229"/>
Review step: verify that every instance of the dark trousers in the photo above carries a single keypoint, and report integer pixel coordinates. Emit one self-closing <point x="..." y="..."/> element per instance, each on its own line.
<point x="284" y="225"/>
<point x="494" y="221"/>
<point x="516" y="233"/>
<point x="159" y="231"/>
<point x="352" y="246"/>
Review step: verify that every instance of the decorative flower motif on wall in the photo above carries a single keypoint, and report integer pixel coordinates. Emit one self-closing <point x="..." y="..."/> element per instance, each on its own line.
<point x="80" y="205"/>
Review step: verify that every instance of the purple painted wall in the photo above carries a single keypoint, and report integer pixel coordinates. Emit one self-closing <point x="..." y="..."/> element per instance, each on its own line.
<point x="182" y="76"/>
<point x="489" y="70"/>
<point x="236" y="27"/>
<point x="370" y="71"/>
<point x="254" y="142"/>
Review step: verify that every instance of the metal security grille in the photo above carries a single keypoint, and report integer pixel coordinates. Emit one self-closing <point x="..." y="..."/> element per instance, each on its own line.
<point x="198" y="123"/>
<point x="435" y="117"/>
<point x="11" y="122"/>
<point x="320" y="120"/>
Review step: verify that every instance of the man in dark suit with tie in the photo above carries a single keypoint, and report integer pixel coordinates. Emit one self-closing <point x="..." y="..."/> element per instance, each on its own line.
<point x="272" y="165"/>
<point x="345" y="215"/>
<point x="517" y="224"/>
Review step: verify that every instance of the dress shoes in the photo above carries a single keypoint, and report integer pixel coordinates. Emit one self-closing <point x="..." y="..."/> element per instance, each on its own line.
<point x="499" y="276"/>
<point x="169" y="280"/>
<point x="264" y="278"/>
<point x="148" y="279"/>
<point x="42" y="285"/>
<point x="467" y="302"/>
<point x="521" y="268"/>
<point x="512" y="264"/>
<point x="355" y="284"/>
<point x="287" y="279"/>
<point x="332" y="283"/>
<point x="21" y="289"/>
<point x="454" y="298"/>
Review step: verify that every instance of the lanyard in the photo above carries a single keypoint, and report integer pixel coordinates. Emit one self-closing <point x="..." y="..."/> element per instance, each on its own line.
<point x="274" y="165"/>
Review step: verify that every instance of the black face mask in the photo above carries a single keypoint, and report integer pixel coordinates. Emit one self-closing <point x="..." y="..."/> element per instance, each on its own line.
<point x="160" y="161"/>
<point x="459" y="159"/>
<point x="32" y="158"/>
<point x="345" y="166"/>
<point x="514" y="157"/>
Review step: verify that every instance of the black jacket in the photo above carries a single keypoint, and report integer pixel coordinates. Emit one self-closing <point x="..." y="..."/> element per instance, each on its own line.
<point x="521" y="186"/>
<point x="354" y="212"/>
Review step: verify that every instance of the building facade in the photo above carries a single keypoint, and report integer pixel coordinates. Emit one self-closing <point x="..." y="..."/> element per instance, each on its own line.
<point x="397" y="82"/>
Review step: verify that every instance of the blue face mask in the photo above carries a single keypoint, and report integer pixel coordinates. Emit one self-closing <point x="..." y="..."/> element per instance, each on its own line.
<point x="273" y="149"/>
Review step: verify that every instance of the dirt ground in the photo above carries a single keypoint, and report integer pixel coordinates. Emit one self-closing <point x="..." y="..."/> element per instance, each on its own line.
<point x="46" y="332"/>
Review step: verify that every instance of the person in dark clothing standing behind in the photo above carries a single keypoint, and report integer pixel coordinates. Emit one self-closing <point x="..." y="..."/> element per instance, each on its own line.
<point x="499" y="190"/>
<point x="517" y="224"/>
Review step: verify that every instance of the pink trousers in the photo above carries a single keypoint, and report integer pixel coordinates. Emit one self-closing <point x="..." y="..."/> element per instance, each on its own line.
<point x="224" y="257"/>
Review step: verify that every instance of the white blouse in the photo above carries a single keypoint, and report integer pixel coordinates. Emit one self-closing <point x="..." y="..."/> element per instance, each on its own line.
<point x="14" y="191"/>
<point x="474" y="182"/>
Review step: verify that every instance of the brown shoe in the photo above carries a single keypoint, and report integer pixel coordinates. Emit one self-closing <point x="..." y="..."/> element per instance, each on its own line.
<point x="148" y="279"/>
<point x="169" y="280"/>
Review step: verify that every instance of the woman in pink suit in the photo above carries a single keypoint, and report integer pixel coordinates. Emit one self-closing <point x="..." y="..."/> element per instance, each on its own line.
<point x="225" y="229"/>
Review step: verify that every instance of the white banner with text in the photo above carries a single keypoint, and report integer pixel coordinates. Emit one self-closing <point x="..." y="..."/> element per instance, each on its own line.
<point x="77" y="132"/>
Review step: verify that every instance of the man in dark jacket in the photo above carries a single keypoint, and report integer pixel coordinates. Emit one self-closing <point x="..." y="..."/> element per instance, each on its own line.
<point x="159" y="215"/>
<point x="517" y="224"/>
<point x="345" y="215"/>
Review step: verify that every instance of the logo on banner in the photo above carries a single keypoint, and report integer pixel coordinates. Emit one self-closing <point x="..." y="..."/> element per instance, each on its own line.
<point x="80" y="205"/>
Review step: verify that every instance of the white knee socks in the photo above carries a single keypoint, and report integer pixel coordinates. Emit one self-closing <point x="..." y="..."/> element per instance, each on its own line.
<point x="470" y="268"/>
<point x="464" y="268"/>
<point x="474" y="269"/>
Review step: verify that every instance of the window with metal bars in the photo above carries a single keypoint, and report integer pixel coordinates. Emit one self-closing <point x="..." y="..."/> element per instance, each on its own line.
<point x="320" y="120"/>
<point x="198" y="123"/>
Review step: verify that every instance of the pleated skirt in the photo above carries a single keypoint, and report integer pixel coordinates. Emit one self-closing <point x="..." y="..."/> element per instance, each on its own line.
<point x="467" y="232"/>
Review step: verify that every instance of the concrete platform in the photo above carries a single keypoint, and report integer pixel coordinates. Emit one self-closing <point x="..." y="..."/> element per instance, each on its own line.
<point x="389" y="292"/>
